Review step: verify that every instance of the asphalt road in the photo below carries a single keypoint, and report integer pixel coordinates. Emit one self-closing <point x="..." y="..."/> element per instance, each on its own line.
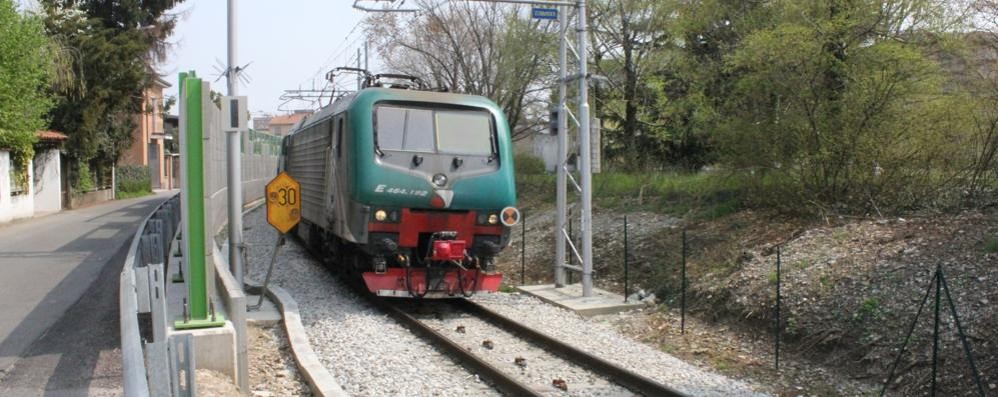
<point x="59" y="299"/>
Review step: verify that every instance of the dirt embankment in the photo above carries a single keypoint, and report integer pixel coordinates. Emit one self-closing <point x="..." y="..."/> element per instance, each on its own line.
<point x="851" y="288"/>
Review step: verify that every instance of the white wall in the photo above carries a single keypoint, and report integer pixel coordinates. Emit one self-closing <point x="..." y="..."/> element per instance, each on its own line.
<point x="47" y="180"/>
<point x="546" y="147"/>
<point x="14" y="207"/>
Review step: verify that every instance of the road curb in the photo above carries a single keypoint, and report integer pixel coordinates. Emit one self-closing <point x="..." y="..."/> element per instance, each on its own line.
<point x="319" y="379"/>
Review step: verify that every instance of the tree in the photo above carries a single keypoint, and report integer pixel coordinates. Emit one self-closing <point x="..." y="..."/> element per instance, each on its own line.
<point x="114" y="46"/>
<point x="475" y="48"/>
<point x="628" y="38"/>
<point x="845" y="99"/>
<point x="694" y="86"/>
<point x="663" y="61"/>
<point x="982" y="85"/>
<point x="24" y="70"/>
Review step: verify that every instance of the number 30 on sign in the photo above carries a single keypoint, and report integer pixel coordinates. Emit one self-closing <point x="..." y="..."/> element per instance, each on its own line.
<point x="283" y="202"/>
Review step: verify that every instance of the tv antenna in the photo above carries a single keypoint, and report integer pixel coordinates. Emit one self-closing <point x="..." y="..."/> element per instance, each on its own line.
<point x="222" y="70"/>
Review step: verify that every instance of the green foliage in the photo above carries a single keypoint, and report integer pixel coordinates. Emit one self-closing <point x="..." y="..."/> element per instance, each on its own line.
<point x="792" y="327"/>
<point x="991" y="246"/>
<point x="868" y="310"/>
<point x="85" y="179"/>
<point x="115" y="46"/>
<point x="627" y="35"/>
<point x="825" y="104"/>
<point x="133" y="181"/>
<point x="24" y="65"/>
<point x="99" y="123"/>
<point x="526" y="164"/>
<point x="847" y="117"/>
<point x="825" y="282"/>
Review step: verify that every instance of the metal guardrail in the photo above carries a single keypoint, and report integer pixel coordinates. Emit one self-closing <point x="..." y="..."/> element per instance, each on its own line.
<point x="132" y="361"/>
<point x="141" y="290"/>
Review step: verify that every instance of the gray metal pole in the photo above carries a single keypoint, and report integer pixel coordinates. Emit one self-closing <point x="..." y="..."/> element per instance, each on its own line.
<point x="234" y="168"/>
<point x="562" y="200"/>
<point x="359" y="77"/>
<point x="585" y="153"/>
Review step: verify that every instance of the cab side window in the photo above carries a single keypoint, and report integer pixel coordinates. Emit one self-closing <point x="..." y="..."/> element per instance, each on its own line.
<point x="339" y="135"/>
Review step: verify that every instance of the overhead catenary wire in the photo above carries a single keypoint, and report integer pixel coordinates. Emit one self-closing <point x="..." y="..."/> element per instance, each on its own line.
<point x="344" y="48"/>
<point x="335" y="53"/>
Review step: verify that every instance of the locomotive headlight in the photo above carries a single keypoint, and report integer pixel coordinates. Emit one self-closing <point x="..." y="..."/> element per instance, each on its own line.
<point x="380" y="215"/>
<point x="440" y="180"/>
<point x="493" y="219"/>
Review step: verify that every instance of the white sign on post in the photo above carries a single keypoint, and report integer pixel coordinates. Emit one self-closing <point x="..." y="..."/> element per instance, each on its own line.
<point x="235" y="116"/>
<point x="596" y="145"/>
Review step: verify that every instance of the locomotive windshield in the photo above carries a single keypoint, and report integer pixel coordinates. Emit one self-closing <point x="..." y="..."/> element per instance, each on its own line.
<point x="444" y="131"/>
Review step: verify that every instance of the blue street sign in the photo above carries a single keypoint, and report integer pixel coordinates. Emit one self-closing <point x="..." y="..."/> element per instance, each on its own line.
<point x="545" y="13"/>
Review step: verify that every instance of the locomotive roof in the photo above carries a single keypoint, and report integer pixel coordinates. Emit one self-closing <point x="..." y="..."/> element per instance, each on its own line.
<point x="379" y="94"/>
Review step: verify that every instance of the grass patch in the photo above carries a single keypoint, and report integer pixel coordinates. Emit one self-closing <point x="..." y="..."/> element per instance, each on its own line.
<point x="122" y="195"/>
<point x="825" y="281"/>
<point x="840" y="235"/>
<point x="792" y="327"/>
<point x="868" y="310"/>
<point x="991" y="246"/>
<point x="700" y="196"/>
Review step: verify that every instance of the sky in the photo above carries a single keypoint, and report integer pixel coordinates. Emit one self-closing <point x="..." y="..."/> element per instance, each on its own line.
<point x="285" y="43"/>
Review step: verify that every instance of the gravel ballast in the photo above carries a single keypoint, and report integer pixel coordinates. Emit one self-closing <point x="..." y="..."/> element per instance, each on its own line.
<point x="371" y="355"/>
<point x="367" y="352"/>
<point x="599" y="338"/>
<point x="537" y="369"/>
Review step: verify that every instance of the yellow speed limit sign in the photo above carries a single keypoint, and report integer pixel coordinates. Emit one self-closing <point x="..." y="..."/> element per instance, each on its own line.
<point x="283" y="202"/>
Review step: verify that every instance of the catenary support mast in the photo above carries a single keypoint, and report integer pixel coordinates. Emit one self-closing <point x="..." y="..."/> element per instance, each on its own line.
<point x="585" y="152"/>
<point x="233" y="166"/>
<point x="560" y="169"/>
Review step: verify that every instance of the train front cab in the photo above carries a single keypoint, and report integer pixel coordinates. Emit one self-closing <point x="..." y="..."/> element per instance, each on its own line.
<point x="429" y="253"/>
<point x="440" y="178"/>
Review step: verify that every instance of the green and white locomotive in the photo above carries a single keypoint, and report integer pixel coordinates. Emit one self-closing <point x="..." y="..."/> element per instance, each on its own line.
<point x="411" y="191"/>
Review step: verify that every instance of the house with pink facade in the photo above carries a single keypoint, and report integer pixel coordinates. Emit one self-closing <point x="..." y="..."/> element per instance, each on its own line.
<point x="149" y="138"/>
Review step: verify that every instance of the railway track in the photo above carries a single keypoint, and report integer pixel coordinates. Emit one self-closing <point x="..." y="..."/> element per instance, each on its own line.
<point x="506" y="382"/>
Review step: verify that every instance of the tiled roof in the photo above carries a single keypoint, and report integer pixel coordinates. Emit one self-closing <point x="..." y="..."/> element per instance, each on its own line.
<point x="289" y="119"/>
<point x="52" y="136"/>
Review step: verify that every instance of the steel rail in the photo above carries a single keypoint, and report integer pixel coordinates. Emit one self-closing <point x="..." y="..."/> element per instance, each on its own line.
<point x="500" y="380"/>
<point x="631" y="380"/>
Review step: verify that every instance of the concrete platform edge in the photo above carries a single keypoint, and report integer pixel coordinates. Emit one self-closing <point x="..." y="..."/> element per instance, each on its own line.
<point x="319" y="379"/>
<point x="585" y="309"/>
